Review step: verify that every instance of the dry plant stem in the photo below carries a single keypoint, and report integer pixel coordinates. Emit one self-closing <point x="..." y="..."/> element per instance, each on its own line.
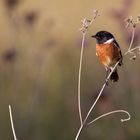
<point x="110" y="113"/>
<point x="128" y="51"/>
<point x="79" y="79"/>
<point x="132" y="50"/>
<point x="12" y="124"/>
<point x="85" y="24"/>
<point x="104" y="85"/>
<point x="132" y="39"/>
<point x="89" y="112"/>
<point x="130" y="46"/>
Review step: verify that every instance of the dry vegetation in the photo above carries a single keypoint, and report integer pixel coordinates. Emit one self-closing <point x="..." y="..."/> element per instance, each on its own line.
<point x="39" y="58"/>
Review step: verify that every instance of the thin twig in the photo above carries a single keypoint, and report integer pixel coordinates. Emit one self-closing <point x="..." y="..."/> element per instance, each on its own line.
<point x="128" y="51"/>
<point x="132" y="39"/>
<point x="110" y="113"/>
<point x="85" y="24"/>
<point x="89" y="112"/>
<point x="12" y="124"/>
<point x="104" y="85"/>
<point x="102" y="89"/>
<point x="79" y="79"/>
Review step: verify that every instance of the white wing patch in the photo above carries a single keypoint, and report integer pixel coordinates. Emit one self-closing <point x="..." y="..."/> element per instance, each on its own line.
<point x="109" y="41"/>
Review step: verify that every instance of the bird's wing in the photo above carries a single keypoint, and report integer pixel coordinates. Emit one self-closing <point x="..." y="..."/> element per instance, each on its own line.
<point x="119" y="49"/>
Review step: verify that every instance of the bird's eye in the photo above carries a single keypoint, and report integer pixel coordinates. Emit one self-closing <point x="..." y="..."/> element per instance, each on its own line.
<point x="99" y="37"/>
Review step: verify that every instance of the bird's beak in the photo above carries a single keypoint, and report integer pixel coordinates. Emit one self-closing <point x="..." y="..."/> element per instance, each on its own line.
<point x="94" y="36"/>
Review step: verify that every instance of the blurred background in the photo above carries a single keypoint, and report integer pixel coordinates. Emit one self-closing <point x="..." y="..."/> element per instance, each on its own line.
<point x="39" y="59"/>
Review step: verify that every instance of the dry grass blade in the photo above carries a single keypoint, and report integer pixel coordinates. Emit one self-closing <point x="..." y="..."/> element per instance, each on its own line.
<point x="12" y="123"/>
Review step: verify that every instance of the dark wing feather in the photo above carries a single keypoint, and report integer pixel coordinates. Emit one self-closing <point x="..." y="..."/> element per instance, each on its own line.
<point x="119" y="49"/>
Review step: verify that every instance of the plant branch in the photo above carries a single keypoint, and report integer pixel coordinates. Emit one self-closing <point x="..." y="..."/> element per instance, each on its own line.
<point x="85" y="24"/>
<point x="12" y="124"/>
<point x="90" y="110"/>
<point x="79" y="79"/>
<point x="110" y="113"/>
<point x="130" y="50"/>
<point x="132" y="39"/>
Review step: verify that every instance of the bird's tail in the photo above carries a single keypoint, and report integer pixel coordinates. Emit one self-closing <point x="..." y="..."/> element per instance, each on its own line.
<point x="114" y="76"/>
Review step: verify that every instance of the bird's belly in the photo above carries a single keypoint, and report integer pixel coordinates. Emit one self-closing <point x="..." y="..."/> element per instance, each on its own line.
<point x="108" y="55"/>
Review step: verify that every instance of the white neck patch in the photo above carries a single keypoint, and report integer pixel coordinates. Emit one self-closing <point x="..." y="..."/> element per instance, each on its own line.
<point x="109" y="41"/>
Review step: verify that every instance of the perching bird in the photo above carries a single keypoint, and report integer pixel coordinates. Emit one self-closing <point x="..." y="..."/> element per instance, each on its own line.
<point x="109" y="52"/>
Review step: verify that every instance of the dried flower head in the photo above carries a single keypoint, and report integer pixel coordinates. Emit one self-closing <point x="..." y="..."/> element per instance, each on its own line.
<point x="133" y="57"/>
<point x="131" y="22"/>
<point x="86" y="22"/>
<point x="96" y="13"/>
<point x="138" y="18"/>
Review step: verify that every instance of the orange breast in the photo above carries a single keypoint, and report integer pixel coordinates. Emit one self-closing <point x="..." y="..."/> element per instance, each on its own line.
<point x="108" y="54"/>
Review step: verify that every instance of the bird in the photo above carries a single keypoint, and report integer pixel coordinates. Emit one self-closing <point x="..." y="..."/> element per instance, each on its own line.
<point x="109" y="53"/>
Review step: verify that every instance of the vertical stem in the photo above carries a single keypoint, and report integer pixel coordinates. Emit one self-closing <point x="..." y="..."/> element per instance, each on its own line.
<point x="12" y="124"/>
<point x="131" y="43"/>
<point x="90" y="110"/>
<point x="80" y="129"/>
<point x="79" y="79"/>
<point x="132" y="39"/>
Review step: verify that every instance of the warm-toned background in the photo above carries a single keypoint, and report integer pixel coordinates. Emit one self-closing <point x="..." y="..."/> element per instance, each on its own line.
<point x="39" y="59"/>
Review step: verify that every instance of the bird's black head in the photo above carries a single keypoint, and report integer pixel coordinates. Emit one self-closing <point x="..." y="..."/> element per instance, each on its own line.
<point x="102" y="36"/>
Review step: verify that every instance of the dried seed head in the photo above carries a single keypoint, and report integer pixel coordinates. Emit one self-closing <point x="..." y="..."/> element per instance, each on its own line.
<point x="96" y="12"/>
<point x="85" y="25"/>
<point x="133" y="57"/>
<point x="86" y="22"/>
<point x="138" y="17"/>
<point x="129" y="20"/>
